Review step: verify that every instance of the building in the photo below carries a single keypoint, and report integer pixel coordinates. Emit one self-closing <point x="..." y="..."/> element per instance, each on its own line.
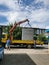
<point x="28" y="33"/>
<point x="47" y="32"/>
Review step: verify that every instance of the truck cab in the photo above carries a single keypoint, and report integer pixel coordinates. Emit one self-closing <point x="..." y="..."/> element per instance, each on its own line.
<point x="4" y="37"/>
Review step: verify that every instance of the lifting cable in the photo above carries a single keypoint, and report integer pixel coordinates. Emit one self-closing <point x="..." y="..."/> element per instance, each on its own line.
<point x="28" y="24"/>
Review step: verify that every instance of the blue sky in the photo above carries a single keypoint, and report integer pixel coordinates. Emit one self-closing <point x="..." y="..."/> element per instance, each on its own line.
<point x="36" y="11"/>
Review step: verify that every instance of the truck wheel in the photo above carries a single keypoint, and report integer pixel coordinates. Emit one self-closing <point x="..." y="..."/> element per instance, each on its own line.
<point x="29" y="46"/>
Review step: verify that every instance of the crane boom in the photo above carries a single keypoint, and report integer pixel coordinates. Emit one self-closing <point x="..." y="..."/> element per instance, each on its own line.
<point x="12" y="29"/>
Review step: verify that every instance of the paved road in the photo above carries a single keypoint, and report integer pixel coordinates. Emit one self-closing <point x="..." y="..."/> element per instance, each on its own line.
<point x="40" y="59"/>
<point x="17" y="59"/>
<point x="23" y="56"/>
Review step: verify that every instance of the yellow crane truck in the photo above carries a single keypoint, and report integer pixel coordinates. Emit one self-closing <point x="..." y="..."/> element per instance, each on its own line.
<point x="24" y="42"/>
<point x="20" y="42"/>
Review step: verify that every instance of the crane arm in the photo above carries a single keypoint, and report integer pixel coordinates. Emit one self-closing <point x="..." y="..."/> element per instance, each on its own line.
<point x="11" y="30"/>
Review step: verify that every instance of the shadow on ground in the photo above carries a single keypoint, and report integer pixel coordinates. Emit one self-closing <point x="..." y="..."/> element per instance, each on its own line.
<point x="17" y="59"/>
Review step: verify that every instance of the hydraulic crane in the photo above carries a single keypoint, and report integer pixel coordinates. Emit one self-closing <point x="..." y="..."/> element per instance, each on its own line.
<point x="23" y="42"/>
<point x="13" y="27"/>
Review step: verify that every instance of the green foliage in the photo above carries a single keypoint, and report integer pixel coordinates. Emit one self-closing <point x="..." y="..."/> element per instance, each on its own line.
<point x="17" y="33"/>
<point x="7" y="28"/>
<point x="35" y="37"/>
<point x="41" y="37"/>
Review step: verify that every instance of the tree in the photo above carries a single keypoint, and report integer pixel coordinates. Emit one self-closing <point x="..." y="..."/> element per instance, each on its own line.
<point x="17" y="33"/>
<point x="41" y="37"/>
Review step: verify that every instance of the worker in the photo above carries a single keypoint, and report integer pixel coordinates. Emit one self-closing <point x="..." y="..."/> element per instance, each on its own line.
<point x="34" y="43"/>
<point x="35" y="38"/>
<point x="8" y="43"/>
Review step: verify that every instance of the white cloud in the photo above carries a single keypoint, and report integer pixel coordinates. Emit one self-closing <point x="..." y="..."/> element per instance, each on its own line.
<point x="46" y="2"/>
<point x="47" y="27"/>
<point x="12" y="17"/>
<point x="16" y="16"/>
<point x="8" y="3"/>
<point x="38" y="15"/>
